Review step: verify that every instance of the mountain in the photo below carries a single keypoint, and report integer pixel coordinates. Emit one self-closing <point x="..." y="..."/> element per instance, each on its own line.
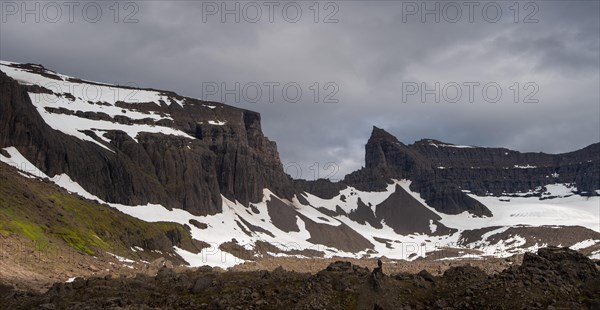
<point x="441" y="171"/>
<point x="158" y="157"/>
<point x="138" y="146"/>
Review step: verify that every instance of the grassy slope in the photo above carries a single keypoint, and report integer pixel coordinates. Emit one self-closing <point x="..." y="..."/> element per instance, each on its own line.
<point x="42" y="212"/>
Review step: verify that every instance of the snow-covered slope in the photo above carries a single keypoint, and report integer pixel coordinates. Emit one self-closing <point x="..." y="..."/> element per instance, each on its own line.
<point x="238" y="222"/>
<point x="194" y="173"/>
<point x="76" y="97"/>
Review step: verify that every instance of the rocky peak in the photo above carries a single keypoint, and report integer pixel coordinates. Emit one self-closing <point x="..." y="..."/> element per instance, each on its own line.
<point x="379" y="135"/>
<point x="389" y="156"/>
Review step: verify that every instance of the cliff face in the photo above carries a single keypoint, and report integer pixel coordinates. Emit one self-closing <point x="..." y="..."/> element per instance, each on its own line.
<point x="193" y="152"/>
<point x="498" y="170"/>
<point x="441" y="171"/>
<point x="247" y="162"/>
<point x="153" y="146"/>
<point x="386" y="158"/>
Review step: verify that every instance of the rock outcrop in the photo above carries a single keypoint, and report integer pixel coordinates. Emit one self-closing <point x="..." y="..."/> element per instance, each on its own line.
<point x="441" y="172"/>
<point x="232" y="158"/>
<point x="387" y="158"/>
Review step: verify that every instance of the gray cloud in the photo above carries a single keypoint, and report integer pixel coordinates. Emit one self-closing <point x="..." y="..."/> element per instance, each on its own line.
<point x="369" y="53"/>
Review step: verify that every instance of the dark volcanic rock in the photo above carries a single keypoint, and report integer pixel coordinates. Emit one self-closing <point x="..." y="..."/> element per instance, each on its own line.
<point x="198" y="224"/>
<point x="387" y="158"/>
<point x="341" y="237"/>
<point x="201" y="284"/>
<point x="321" y="187"/>
<point x="234" y="159"/>
<point x="464" y="274"/>
<point x="339" y="266"/>
<point x="406" y="215"/>
<point x="497" y="170"/>
<point x="441" y="171"/>
<point x="282" y="215"/>
<point x="364" y="214"/>
<point x="425" y="275"/>
<point x="571" y="265"/>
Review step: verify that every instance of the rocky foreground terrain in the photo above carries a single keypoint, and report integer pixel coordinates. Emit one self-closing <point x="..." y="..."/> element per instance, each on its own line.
<point x="554" y="278"/>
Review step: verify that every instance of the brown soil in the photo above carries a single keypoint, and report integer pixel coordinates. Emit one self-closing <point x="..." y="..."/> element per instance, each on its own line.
<point x="314" y="265"/>
<point x="27" y="267"/>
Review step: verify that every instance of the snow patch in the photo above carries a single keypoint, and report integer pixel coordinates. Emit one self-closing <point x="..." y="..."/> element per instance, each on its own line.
<point x="528" y="166"/>
<point x="217" y="123"/>
<point x="120" y="258"/>
<point x="584" y="244"/>
<point x="74" y="126"/>
<point x="21" y="163"/>
<point x="214" y="258"/>
<point x="64" y="181"/>
<point x="451" y="145"/>
<point x="432" y="226"/>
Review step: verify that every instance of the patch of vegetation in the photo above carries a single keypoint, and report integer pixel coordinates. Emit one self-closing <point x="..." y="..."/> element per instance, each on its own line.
<point x="31" y="231"/>
<point x="43" y="212"/>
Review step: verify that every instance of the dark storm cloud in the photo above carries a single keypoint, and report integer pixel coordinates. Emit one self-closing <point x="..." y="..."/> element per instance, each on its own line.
<point x="369" y="53"/>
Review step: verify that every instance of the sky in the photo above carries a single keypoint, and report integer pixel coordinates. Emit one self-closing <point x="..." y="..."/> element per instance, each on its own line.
<point x="494" y="74"/>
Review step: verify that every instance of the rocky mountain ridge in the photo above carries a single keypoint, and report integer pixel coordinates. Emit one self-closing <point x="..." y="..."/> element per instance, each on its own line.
<point x="221" y="149"/>
<point x="159" y="156"/>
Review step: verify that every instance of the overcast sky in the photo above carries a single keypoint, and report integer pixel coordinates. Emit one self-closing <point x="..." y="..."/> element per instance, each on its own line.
<point x="370" y="57"/>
